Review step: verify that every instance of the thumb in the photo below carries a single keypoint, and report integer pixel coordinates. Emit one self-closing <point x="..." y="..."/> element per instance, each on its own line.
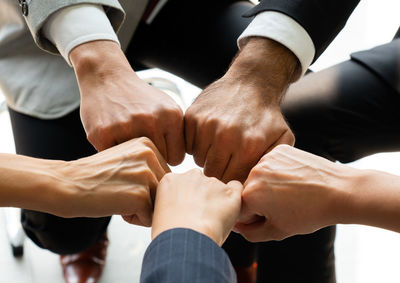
<point x="236" y="187"/>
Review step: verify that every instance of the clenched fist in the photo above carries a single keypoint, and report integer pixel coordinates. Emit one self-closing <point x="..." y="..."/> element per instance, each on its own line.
<point x="237" y="119"/>
<point x="293" y="192"/>
<point x="120" y="180"/>
<point x="192" y="200"/>
<point x="116" y="105"/>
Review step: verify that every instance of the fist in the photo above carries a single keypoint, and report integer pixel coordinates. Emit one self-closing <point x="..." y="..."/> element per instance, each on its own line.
<point x="231" y="126"/>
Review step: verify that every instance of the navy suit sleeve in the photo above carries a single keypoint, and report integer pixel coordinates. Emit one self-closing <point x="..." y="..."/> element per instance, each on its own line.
<point x="183" y="255"/>
<point x="322" y="19"/>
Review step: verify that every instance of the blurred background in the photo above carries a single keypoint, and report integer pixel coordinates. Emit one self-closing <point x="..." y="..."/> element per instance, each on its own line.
<point x="363" y="254"/>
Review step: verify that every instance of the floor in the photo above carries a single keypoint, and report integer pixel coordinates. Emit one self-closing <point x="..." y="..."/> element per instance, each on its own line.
<point x="363" y="254"/>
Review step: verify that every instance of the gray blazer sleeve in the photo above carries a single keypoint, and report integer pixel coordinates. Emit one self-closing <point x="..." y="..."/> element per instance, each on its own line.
<point x="183" y="255"/>
<point x="38" y="11"/>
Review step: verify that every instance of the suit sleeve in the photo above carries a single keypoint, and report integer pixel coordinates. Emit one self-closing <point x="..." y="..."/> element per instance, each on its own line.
<point x="322" y="19"/>
<point x="183" y="255"/>
<point x="39" y="11"/>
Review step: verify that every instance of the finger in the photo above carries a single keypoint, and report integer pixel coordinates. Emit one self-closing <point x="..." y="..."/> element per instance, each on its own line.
<point x="286" y="138"/>
<point x="254" y="232"/>
<point x="217" y="160"/>
<point x="237" y="169"/>
<point x="160" y="143"/>
<point x="144" y="214"/>
<point x="237" y="188"/>
<point x="202" y="144"/>
<point x="190" y="133"/>
<point x="175" y="143"/>
<point x="135" y="220"/>
<point x="161" y="161"/>
<point x="101" y="142"/>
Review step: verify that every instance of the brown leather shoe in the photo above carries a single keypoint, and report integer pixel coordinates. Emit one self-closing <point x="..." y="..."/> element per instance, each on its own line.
<point x="87" y="266"/>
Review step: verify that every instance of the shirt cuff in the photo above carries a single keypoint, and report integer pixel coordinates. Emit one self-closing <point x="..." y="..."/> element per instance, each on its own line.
<point x="78" y="24"/>
<point x="285" y="30"/>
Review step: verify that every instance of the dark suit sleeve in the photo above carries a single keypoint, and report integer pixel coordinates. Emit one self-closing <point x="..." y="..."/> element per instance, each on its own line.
<point x="322" y="19"/>
<point x="183" y="255"/>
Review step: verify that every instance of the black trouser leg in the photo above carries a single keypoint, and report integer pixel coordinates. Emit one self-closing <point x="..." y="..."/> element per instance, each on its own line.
<point x="344" y="113"/>
<point x="62" y="139"/>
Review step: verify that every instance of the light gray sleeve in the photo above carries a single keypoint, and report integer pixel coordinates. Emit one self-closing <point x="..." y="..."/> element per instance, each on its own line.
<point x="38" y="11"/>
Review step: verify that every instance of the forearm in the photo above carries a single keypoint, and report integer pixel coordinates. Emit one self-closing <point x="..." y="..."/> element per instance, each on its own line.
<point x="265" y="64"/>
<point x="375" y="200"/>
<point x="30" y="183"/>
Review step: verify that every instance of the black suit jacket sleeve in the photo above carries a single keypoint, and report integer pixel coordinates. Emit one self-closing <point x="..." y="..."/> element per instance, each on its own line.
<point x="183" y="255"/>
<point x="322" y="19"/>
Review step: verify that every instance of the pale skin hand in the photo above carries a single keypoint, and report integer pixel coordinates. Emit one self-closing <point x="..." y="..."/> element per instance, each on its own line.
<point x="116" y="105"/>
<point x="121" y="180"/>
<point x="293" y="192"/>
<point x="237" y="119"/>
<point x="194" y="201"/>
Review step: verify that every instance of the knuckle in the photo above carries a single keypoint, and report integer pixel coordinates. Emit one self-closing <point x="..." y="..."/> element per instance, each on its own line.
<point x="168" y="177"/>
<point x="195" y="171"/>
<point x="199" y="160"/>
<point x="146" y="153"/>
<point x="280" y="148"/>
<point x="146" y="142"/>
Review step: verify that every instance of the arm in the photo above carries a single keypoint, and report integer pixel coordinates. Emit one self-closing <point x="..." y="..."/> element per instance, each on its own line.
<point x="120" y="180"/>
<point x="237" y="119"/>
<point x="193" y="216"/>
<point x="39" y="13"/>
<point x="116" y="105"/>
<point x="294" y="192"/>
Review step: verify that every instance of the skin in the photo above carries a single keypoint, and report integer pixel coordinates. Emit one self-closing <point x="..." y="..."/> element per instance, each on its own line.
<point x="293" y="192"/>
<point x="232" y="124"/>
<point x="116" y="105"/>
<point x="121" y="180"/>
<point x="194" y="201"/>
<point x="237" y="119"/>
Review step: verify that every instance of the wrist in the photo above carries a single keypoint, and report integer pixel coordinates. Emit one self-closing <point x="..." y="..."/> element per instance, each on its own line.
<point x="339" y="194"/>
<point x="265" y="64"/>
<point x="353" y="201"/>
<point x="377" y="201"/>
<point x="98" y="60"/>
<point x="159" y="228"/>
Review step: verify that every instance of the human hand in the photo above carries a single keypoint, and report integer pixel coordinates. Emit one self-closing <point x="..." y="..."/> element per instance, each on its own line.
<point x="293" y="192"/>
<point x="192" y="200"/>
<point x="120" y="180"/>
<point x="116" y="105"/>
<point x="237" y="119"/>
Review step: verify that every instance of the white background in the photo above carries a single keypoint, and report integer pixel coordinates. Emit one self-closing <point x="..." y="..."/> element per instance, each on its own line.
<point x="364" y="254"/>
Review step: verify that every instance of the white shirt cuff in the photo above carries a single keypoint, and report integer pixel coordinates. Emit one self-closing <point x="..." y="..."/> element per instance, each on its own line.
<point x="285" y="30"/>
<point x="78" y="24"/>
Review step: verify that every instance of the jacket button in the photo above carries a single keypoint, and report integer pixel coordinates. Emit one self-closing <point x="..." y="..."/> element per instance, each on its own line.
<point x="24" y="7"/>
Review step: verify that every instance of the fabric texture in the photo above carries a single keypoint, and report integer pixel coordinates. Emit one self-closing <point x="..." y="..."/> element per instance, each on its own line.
<point x="384" y="60"/>
<point x="74" y="25"/>
<point x="321" y="19"/>
<point x="40" y="11"/>
<point x="283" y="29"/>
<point x="183" y="255"/>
